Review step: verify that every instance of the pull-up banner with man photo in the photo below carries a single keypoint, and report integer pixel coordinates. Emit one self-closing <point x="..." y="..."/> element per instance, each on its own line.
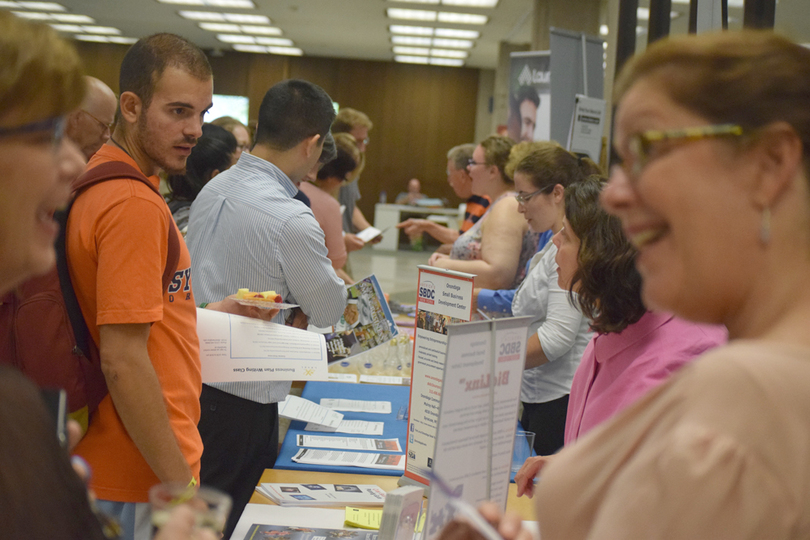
<point x="529" y="96"/>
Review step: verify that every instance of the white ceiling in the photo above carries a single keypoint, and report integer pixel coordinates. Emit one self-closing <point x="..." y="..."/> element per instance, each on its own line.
<point x="359" y="28"/>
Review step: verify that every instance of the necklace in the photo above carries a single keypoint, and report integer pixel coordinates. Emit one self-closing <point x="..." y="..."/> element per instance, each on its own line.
<point x="116" y="143"/>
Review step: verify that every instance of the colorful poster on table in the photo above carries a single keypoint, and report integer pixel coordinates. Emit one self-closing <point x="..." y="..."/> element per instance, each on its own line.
<point x="443" y="298"/>
<point x="529" y="96"/>
<point x="366" y="322"/>
<point x="478" y="415"/>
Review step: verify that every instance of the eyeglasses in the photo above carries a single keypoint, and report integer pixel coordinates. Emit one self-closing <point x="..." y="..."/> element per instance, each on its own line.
<point x="524" y="198"/>
<point x="640" y="147"/>
<point x="55" y="125"/>
<point x="102" y="124"/>
<point x="472" y="163"/>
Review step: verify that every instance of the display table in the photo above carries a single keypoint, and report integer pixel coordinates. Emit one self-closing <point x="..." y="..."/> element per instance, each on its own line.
<point x="521" y="505"/>
<point x="386" y="216"/>
<point x="314" y="391"/>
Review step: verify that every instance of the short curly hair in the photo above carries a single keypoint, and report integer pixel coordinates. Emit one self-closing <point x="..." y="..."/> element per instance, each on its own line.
<point x="609" y="285"/>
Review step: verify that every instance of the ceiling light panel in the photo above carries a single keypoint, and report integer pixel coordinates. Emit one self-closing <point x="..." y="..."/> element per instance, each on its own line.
<point x="33" y="16"/>
<point x="122" y="40"/>
<point x="97" y="39"/>
<point x="411" y="14"/>
<point x="235" y="38"/>
<point x="6" y="4"/>
<point x="42" y="6"/>
<point x="250" y="48"/>
<point x="412" y="50"/>
<point x="73" y="18"/>
<point x="286" y="51"/>
<point x="220" y="27"/>
<point x="246" y="19"/>
<point x="453" y="43"/>
<point x="471" y="3"/>
<point x="227" y="4"/>
<point x="410" y="30"/>
<point x="202" y="16"/>
<point x="72" y="28"/>
<point x="446" y="62"/>
<point x="275" y="42"/>
<point x="454" y="33"/>
<point x="411" y="59"/>
<point x="100" y="30"/>
<point x="447" y="53"/>
<point x="411" y="40"/>
<point x="262" y="30"/>
<point x="462" y="18"/>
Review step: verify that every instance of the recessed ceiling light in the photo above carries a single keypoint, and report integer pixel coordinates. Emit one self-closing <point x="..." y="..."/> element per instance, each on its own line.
<point x="274" y="41"/>
<point x="411" y="14"/>
<point x="453" y="43"/>
<point x="446" y="62"/>
<point x="33" y="16"/>
<point x="286" y="51"/>
<point x="446" y="53"/>
<point x="416" y="1"/>
<point x="454" y="33"/>
<point x="246" y="19"/>
<point x="471" y="3"/>
<point x="97" y="39"/>
<point x="235" y="38"/>
<point x="462" y="18"/>
<point x="73" y="28"/>
<point x="220" y="27"/>
<point x="263" y="30"/>
<point x="411" y="40"/>
<point x="410" y="30"/>
<point x="101" y="30"/>
<point x="411" y="59"/>
<point x="73" y="18"/>
<point x="123" y="40"/>
<point x="250" y="48"/>
<point x="42" y="6"/>
<point x="7" y="4"/>
<point x="245" y="4"/>
<point x="419" y="51"/>
<point x="202" y="15"/>
<point x="603" y="30"/>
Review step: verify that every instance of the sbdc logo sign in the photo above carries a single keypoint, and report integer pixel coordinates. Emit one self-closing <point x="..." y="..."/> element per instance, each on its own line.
<point x="427" y="292"/>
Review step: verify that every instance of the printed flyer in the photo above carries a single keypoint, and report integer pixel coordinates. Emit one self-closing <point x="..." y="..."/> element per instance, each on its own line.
<point x="366" y="323"/>
<point x="443" y="298"/>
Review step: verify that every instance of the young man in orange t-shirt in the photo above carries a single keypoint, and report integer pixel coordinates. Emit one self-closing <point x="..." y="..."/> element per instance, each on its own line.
<point x="145" y="431"/>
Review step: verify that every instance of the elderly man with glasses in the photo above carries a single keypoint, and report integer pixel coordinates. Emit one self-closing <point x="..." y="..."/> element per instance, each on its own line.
<point x="90" y="125"/>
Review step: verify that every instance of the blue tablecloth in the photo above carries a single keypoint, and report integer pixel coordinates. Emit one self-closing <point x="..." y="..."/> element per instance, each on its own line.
<point x="314" y="391"/>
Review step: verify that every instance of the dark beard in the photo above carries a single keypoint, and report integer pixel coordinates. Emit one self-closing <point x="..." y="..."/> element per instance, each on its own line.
<point x="143" y="141"/>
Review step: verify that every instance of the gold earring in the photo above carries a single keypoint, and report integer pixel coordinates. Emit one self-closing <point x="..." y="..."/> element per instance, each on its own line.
<point x="765" y="227"/>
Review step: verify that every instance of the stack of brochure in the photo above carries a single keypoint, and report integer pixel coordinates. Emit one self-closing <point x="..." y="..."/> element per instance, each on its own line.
<point x="323" y="494"/>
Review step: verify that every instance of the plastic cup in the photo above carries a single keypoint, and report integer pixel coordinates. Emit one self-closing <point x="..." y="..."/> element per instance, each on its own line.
<point x="211" y="506"/>
<point x="524" y="442"/>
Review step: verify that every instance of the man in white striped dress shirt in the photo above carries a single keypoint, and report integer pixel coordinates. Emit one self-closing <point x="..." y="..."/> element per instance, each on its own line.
<point x="246" y="230"/>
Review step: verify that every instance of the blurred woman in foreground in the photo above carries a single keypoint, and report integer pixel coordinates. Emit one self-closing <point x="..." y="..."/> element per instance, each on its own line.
<point x="634" y="350"/>
<point x="41" y="81"/>
<point x="714" y="132"/>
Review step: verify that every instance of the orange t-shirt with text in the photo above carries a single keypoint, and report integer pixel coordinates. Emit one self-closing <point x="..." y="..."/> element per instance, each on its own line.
<point x="117" y="245"/>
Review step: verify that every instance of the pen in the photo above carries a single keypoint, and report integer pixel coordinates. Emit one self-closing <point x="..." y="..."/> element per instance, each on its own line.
<point x="464" y="508"/>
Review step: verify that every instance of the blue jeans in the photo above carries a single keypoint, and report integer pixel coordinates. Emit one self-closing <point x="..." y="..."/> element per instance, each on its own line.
<point x="135" y="518"/>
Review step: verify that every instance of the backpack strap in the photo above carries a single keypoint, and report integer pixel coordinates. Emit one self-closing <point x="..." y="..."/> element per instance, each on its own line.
<point x="111" y="170"/>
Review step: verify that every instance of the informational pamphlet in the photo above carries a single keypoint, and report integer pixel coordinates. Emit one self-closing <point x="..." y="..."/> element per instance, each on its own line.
<point x="370" y="233"/>
<point x="357" y="405"/>
<point x="234" y="348"/>
<point x="587" y="125"/>
<point x="336" y="458"/>
<point x="349" y="443"/>
<point x="355" y="427"/>
<point x="478" y="415"/>
<point x="323" y="494"/>
<point x="366" y="322"/>
<point x="364" y="518"/>
<point x="297" y="408"/>
<point x="259" y="532"/>
<point x="443" y="298"/>
<point x="385" y="379"/>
